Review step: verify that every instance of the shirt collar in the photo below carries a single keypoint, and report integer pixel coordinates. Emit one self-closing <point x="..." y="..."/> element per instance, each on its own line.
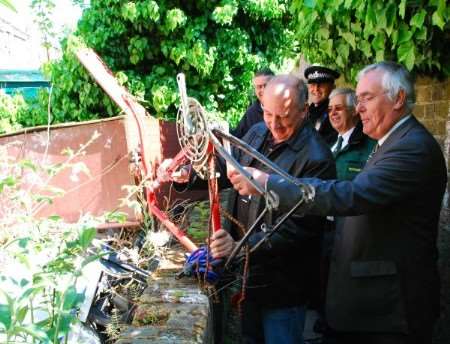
<point x="345" y="138"/>
<point x="399" y="123"/>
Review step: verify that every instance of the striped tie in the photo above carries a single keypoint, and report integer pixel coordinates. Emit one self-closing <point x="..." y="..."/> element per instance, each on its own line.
<point x="338" y="146"/>
<point x="374" y="150"/>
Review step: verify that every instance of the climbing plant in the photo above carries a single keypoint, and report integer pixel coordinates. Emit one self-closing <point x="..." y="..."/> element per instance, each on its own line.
<point x="218" y="45"/>
<point x="348" y="34"/>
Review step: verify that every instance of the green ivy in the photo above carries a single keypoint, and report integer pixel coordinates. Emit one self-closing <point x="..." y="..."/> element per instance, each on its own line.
<point x="349" y="34"/>
<point x="217" y="44"/>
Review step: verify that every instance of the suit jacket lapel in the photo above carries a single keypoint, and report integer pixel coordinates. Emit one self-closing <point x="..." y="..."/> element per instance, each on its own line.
<point x="393" y="139"/>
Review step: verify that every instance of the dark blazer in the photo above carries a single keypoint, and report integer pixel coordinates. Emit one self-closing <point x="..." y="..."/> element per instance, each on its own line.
<point x="281" y="268"/>
<point x="253" y="115"/>
<point x="351" y="159"/>
<point x="383" y="274"/>
<point x="320" y="113"/>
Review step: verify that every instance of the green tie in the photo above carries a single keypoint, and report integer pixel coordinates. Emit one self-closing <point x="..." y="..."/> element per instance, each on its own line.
<point x="338" y="146"/>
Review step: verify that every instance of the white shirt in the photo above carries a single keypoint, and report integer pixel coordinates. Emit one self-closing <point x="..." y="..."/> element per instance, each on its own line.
<point x="345" y="138"/>
<point x="399" y="123"/>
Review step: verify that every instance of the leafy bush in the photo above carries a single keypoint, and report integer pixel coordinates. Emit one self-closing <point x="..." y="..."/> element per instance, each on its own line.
<point x="352" y="33"/>
<point x="218" y="45"/>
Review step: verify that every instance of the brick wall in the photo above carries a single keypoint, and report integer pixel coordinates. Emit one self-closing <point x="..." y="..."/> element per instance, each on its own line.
<point x="433" y="110"/>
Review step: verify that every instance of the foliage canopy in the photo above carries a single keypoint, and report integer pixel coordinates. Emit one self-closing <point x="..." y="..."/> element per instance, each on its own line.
<point x="218" y="45"/>
<point x="352" y="33"/>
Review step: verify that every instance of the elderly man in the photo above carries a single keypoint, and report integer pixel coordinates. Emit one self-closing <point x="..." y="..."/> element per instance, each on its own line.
<point x="352" y="146"/>
<point x="278" y="281"/>
<point x="383" y="283"/>
<point x="254" y="113"/>
<point x="350" y="151"/>
<point x="320" y="84"/>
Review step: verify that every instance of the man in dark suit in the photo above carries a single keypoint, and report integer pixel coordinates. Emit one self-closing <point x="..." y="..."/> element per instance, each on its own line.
<point x="383" y="282"/>
<point x="254" y="113"/>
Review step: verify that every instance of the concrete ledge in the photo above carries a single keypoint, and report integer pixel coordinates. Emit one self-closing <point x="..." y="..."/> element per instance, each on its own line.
<point x="170" y="310"/>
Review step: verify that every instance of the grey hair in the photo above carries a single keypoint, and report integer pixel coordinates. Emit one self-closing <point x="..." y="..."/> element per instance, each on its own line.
<point x="350" y="97"/>
<point x="395" y="78"/>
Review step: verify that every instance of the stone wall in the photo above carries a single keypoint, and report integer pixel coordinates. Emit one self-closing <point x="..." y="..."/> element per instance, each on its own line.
<point x="433" y="110"/>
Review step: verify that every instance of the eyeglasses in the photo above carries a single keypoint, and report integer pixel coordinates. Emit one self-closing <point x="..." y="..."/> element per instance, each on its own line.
<point x="363" y="100"/>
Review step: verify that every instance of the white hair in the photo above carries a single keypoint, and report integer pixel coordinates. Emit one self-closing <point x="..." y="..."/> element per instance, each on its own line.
<point x="350" y="97"/>
<point x="395" y="78"/>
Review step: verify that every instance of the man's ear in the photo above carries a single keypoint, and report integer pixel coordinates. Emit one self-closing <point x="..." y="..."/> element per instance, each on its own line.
<point x="400" y="100"/>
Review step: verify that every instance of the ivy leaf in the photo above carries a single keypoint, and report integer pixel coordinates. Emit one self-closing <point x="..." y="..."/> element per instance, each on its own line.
<point x="381" y="19"/>
<point x="378" y="42"/>
<point x="437" y="20"/>
<point x="86" y="237"/>
<point x="421" y="33"/>
<point x="405" y="54"/>
<point x="323" y="33"/>
<point x="5" y="316"/>
<point x="343" y="50"/>
<point x="404" y="35"/>
<point x="391" y="17"/>
<point x="329" y="17"/>
<point x="401" y="9"/>
<point x="418" y="19"/>
<point x="350" y="38"/>
<point x="310" y="3"/>
<point x="365" y="48"/>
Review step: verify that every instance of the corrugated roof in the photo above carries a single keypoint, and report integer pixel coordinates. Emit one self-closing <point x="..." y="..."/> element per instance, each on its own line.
<point x="21" y="75"/>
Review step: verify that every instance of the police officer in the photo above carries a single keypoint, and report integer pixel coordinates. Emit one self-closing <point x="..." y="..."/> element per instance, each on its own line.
<point x="320" y="84"/>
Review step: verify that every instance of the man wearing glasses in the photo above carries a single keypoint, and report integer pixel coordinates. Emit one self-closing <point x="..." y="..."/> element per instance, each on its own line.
<point x="383" y="281"/>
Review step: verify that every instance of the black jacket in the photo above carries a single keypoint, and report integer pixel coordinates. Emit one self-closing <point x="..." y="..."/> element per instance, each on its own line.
<point x="280" y="270"/>
<point x="320" y="113"/>
<point x="383" y="274"/>
<point x="253" y="115"/>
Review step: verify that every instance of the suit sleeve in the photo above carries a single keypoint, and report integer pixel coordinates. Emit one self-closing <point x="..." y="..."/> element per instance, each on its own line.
<point x="297" y="232"/>
<point x="397" y="175"/>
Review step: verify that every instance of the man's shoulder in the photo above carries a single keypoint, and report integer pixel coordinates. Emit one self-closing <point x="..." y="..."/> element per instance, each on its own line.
<point x="254" y="109"/>
<point x="317" y="148"/>
<point x="257" y="130"/>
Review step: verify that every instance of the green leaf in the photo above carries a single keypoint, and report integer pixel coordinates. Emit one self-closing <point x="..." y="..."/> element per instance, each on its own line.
<point x="5" y="316"/>
<point x="34" y="331"/>
<point x="381" y="22"/>
<point x="401" y="9"/>
<point x="404" y="35"/>
<point x="391" y="17"/>
<point x="405" y="54"/>
<point x="418" y="19"/>
<point x="71" y="298"/>
<point x="323" y="33"/>
<point x="86" y="237"/>
<point x="310" y="3"/>
<point x="378" y="42"/>
<point x="7" y="181"/>
<point x="350" y="38"/>
<point x="343" y="51"/>
<point x="438" y="20"/>
<point x="7" y="3"/>
<point x="365" y="48"/>
<point x="28" y="164"/>
<point x="421" y="33"/>
<point x="21" y="313"/>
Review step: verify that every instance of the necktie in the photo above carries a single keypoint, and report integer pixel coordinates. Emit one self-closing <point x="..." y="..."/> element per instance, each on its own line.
<point x="338" y="146"/>
<point x="374" y="150"/>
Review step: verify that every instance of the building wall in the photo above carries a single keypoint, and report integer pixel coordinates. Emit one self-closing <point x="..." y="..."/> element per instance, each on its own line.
<point x="433" y="110"/>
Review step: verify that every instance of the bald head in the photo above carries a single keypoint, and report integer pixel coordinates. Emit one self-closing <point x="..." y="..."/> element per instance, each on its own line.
<point x="284" y="105"/>
<point x="288" y="89"/>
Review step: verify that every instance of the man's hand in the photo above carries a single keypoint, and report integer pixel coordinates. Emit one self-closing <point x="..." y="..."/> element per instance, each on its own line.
<point x="221" y="244"/>
<point x="242" y="185"/>
<point x="181" y="176"/>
